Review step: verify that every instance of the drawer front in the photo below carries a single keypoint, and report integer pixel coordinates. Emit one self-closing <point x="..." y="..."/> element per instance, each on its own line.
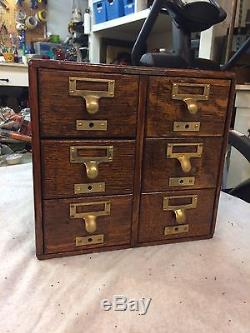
<point x="181" y="163"/>
<point x="75" y="168"/>
<point x="14" y="76"/>
<point x="83" y="104"/>
<point x="77" y="224"/>
<point x="173" y="215"/>
<point x="184" y="107"/>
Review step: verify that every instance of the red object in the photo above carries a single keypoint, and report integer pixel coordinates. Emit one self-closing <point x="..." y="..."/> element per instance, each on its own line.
<point x="14" y="135"/>
<point x="59" y="54"/>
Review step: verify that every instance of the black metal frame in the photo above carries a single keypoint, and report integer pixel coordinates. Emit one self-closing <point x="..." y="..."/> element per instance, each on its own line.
<point x="242" y="144"/>
<point x="182" y="27"/>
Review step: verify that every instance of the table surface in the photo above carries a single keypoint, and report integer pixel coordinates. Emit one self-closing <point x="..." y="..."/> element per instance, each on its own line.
<point x="243" y="87"/>
<point x="198" y="287"/>
<point x="13" y="64"/>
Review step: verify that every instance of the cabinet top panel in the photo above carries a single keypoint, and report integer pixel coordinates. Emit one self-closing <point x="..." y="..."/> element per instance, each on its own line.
<point x="104" y="68"/>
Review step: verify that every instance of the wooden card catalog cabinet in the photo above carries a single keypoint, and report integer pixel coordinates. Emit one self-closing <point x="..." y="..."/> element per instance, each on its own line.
<point x="115" y="147"/>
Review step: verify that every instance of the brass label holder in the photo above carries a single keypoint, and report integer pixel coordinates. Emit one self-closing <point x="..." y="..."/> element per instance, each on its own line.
<point x="90" y="240"/>
<point x="91" y="96"/>
<point x="175" y="230"/>
<point x="181" y="181"/>
<point x="89" y="188"/>
<point x="91" y="163"/>
<point x="91" y="125"/>
<point x="186" y="126"/>
<point x="91" y="216"/>
<point x="184" y="158"/>
<point x="180" y="210"/>
<point x="191" y="99"/>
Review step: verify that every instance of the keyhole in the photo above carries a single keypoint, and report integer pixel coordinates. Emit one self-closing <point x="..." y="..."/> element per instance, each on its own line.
<point x="90" y="240"/>
<point x="90" y="187"/>
<point x="91" y="125"/>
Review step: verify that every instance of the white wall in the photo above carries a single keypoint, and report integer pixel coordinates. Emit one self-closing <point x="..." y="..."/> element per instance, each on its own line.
<point x="59" y="15"/>
<point x="206" y="47"/>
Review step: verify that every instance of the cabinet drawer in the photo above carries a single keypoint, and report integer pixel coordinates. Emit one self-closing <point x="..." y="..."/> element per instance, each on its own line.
<point x="181" y="163"/>
<point x="182" y="107"/>
<point x="77" y="224"/>
<point x="74" y="168"/>
<point x="84" y="104"/>
<point x="174" y="215"/>
<point x="14" y="75"/>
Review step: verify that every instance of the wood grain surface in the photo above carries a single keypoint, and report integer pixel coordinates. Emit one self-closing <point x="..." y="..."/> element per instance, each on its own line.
<point x="60" y="175"/>
<point x="163" y="111"/>
<point x="131" y="70"/>
<point x="153" y="219"/>
<point x="59" y="111"/>
<point x="139" y="156"/>
<point x="223" y="154"/>
<point x="140" y="126"/>
<point x="36" y="160"/>
<point x="61" y="230"/>
<point x="158" y="168"/>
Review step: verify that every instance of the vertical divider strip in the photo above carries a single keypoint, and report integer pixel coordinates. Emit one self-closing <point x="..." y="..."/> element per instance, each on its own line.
<point x="141" y="119"/>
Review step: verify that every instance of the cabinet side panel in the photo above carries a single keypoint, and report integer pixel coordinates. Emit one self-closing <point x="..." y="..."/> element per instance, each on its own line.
<point x="225" y="142"/>
<point x="33" y="97"/>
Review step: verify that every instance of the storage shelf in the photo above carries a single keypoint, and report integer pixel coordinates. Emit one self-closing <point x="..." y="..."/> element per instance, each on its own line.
<point x="127" y="28"/>
<point x="121" y="21"/>
<point x="131" y="24"/>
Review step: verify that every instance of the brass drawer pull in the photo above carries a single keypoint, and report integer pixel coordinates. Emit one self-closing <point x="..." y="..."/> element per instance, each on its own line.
<point x="180" y="210"/>
<point x="91" y="96"/>
<point x="184" y="157"/>
<point x="191" y="99"/>
<point x="180" y="216"/>
<point x="91" y="216"/>
<point x="91" y="163"/>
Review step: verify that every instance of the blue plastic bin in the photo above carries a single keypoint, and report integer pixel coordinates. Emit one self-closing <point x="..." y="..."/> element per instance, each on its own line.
<point x="115" y="9"/>
<point x="129" y="6"/>
<point x="100" y="11"/>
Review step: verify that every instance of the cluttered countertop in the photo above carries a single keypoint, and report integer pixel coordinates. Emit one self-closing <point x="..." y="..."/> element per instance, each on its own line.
<point x="15" y="136"/>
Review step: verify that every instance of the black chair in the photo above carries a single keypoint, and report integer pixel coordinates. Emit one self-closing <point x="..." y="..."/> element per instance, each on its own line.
<point x="242" y="144"/>
<point x="186" y="18"/>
